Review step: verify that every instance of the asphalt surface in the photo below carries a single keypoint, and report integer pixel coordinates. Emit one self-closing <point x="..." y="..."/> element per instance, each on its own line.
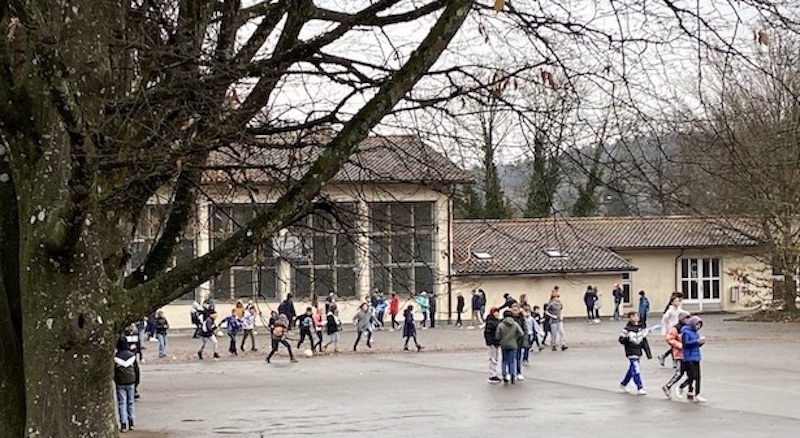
<point x="750" y="379"/>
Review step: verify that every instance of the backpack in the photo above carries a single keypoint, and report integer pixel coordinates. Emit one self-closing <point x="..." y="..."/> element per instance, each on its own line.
<point x="307" y="322"/>
<point x="278" y="332"/>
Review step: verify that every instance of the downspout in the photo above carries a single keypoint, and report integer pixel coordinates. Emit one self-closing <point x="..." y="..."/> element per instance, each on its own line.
<point x="675" y="273"/>
<point x="450" y="258"/>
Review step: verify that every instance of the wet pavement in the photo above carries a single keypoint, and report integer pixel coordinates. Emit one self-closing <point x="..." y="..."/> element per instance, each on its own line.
<point x="750" y="378"/>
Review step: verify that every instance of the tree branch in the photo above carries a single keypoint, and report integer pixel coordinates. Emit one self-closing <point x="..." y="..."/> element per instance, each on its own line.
<point x="297" y="199"/>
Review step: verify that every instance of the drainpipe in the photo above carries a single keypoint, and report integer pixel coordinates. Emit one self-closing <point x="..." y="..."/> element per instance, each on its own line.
<point x="450" y="258"/>
<point x="675" y="273"/>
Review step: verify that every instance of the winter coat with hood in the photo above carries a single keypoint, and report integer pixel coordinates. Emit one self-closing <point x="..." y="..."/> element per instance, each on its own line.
<point x="691" y="339"/>
<point x="509" y="333"/>
<point x="520" y="320"/>
<point x="589" y="298"/>
<point x="674" y="340"/>
<point x="490" y="331"/>
<point x="634" y="338"/>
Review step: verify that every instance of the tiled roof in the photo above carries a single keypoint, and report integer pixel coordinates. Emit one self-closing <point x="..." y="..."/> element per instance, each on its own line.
<point x="586" y="244"/>
<point x="390" y="159"/>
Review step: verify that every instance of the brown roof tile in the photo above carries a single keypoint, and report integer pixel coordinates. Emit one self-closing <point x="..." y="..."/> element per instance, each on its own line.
<point x="518" y="246"/>
<point x="390" y="159"/>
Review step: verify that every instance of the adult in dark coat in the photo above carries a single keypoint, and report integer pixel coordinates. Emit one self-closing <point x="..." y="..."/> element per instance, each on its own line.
<point x="409" y="328"/>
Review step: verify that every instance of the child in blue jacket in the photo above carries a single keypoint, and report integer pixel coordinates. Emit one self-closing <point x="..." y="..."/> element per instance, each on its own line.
<point x="692" y="341"/>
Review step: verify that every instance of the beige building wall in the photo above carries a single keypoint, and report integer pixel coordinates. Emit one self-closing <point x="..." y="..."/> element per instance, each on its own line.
<point x="537" y="288"/>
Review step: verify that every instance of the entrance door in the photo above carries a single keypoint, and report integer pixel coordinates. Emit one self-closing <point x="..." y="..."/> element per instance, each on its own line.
<point x="701" y="284"/>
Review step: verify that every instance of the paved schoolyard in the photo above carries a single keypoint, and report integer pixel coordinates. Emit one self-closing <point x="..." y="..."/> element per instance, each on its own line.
<point x="750" y="379"/>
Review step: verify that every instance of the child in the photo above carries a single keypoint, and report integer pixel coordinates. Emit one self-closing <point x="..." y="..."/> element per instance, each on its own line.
<point x="644" y="308"/>
<point x="363" y="322"/>
<point x="530" y="331"/>
<point x="249" y="326"/>
<point x="692" y="341"/>
<point x="279" y="337"/>
<point x="319" y="326"/>
<point x="394" y="309"/>
<point x="232" y="326"/>
<point x="162" y="325"/>
<point x="555" y="310"/>
<point x="459" y="309"/>
<point x="333" y="326"/>
<point x="131" y="335"/>
<point x="537" y="326"/>
<point x="510" y="335"/>
<point x="674" y="340"/>
<point x="634" y="338"/>
<point x="409" y="328"/>
<point x="306" y="323"/>
<point x="423" y="303"/>
<point x="125" y="370"/>
<point x="207" y="335"/>
<point x="670" y="319"/>
<point x="273" y="317"/>
<point x="493" y="343"/>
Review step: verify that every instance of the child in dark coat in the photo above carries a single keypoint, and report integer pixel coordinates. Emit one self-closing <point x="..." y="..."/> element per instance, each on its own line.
<point x="409" y="329"/>
<point x="634" y="338"/>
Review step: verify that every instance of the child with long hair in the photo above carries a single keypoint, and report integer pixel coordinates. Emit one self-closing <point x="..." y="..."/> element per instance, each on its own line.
<point x="409" y="328"/>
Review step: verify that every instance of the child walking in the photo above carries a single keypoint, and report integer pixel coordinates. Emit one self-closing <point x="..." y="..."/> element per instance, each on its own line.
<point x="510" y="335"/>
<point x="644" y="308"/>
<point x="674" y="340"/>
<point x="692" y="341"/>
<point x="306" y="324"/>
<point x="207" y="335"/>
<point x="530" y="333"/>
<point x="409" y="328"/>
<point x="333" y="325"/>
<point x="634" y="338"/>
<point x="319" y="326"/>
<point x="249" y="326"/>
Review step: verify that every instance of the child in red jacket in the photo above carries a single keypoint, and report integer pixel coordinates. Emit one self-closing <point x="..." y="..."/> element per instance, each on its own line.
<point x="394" y="309"/>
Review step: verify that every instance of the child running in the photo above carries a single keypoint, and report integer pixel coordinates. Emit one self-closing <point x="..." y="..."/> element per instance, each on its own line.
<point x="634" y="338"/>
<point x="279" y="337"/>
<point x="670" y="319"/>
<point x="319" y="326"/>
<point x="333" y="325"/>
<point x="207" y="335"/>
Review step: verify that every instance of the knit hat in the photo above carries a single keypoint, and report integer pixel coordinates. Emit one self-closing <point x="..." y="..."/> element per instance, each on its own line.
<point x="683" y="314"/>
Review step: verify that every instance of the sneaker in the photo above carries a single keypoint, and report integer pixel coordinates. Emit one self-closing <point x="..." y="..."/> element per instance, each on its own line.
<point x="505" y="379"/>
<point x="623" y="388"/>
<point x="690" y="396"/>
<point x="699" y="399"/>
<point x="216" y="356"/>
<point x="661" y="360"/>
<point x="406" y="349"/>
<point x="667" y="392"/>
<point x="268" y="360"/>
<point x="596" y="321"/>
<point x="554" y="348"/>
<point x="564" y="347"/>
<point x="495" y="380"/>
<point x="130" y="424"/>
<point x="123" y="428"/>
<point x="679" y="392"/>
<point x="136" y="396"/>
<point x="391" y="330"/>
<point x="471" y="328"/>
<point x="526" y="363"/>
<point x="641" y="391"/>
<point x="520" y="377"/>
<point x="200" y="355"/>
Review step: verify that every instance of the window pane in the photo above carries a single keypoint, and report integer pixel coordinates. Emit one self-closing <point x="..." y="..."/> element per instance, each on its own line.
<point x="301" y="282"/>
<point x="242" y="214"/>
<point x="706" y="268"/>
<point x="220" y="219"/>
<point x="348" y="216"/>
<point x="345" y="250"/>
<point x="423" y="216"/>
<point x="626" y="276"/>
<point x="715" y="268"/>
<point x="345" y="282"/>
<point x="685" y="288"/>
<point x="424" y="248"/>
<point x="323" y="250"/>
<point x="706" y="289"/>
<point x="401" y="280"/>
<point x="242" y="283"/>
<point x="379" y="217"/>
<point x="693" y="292"/>
<point x="323" y="282"/>
<point x="715" y="289"/>
<point x="221" y="286"/>
<point x="402" y="251"/>
<point x="685" y="269"/>
<point x="380" y="278"/>
<point x="323" y="223"/>
<point x="269" y="282"/>
<point x="626" y="293"/>
<point x="423" y="279"/>
<point x="380" y="250"/>
<point x="693" y="267"/>
<point x="401" y="217"/>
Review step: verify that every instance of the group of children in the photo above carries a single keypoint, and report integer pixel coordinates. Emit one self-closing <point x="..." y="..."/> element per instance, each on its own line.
<point x="681" y="332"/>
